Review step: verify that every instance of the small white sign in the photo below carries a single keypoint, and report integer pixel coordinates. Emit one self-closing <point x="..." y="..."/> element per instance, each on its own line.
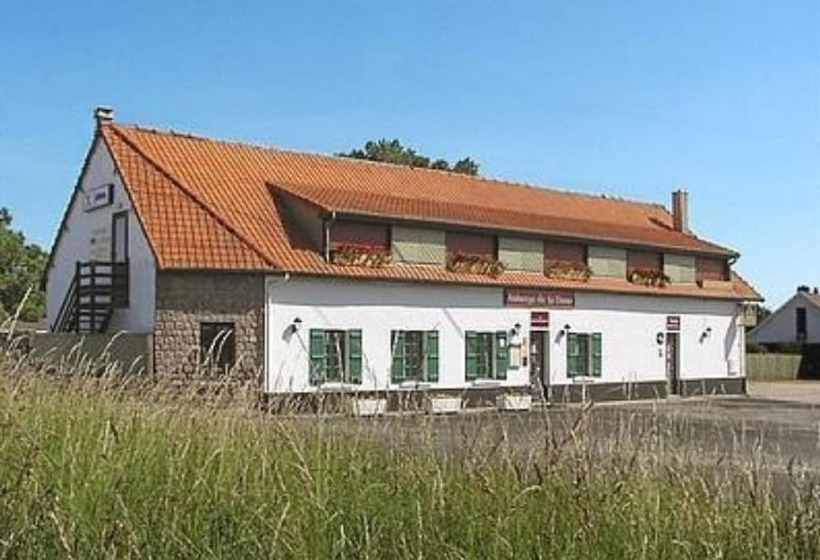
<point x="99" y="197"/>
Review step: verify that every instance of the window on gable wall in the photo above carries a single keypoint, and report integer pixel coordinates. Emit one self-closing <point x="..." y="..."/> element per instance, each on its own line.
<point x="584" y="354"/>
<point x="801" y="323"/>
<point x="414" y="356"/>
<point x="217" y="347"/>
<point x="486" y="355"/>
<point x="335" y="356"/>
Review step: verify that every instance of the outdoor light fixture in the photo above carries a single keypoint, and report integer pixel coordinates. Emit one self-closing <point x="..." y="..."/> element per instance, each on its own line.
<point x="567" y="328"/>
<point x="706" y="333"/>
<point x="295" y="325"/>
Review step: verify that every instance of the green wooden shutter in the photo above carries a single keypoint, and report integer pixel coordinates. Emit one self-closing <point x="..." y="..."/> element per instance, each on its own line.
<point x="431" y="354"/>
<point x="471" y="353"/>
<point x="502" y="355"/>
<point x="317" y="356"/>
<point x="596" y="355"/>
<point x="354" y="355"/>
<point x="397" y="348"/>
<point x="573" y="355"/>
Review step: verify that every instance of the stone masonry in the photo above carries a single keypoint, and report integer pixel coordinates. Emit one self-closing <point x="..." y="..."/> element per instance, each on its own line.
<point x="185" y="299"/>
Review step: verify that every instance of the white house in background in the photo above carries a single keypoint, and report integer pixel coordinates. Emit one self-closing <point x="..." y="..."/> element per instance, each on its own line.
<point x="797" y="320"/>
<point x="326" y="274"/>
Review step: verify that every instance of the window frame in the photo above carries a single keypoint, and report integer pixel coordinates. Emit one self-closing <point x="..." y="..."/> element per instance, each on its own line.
<point x="428" y="358"/>
<point x="801" y="323"/>
<point x="578" y="365"/>
<point x="226" y="353"/>
<point x="499" y="359"/>
<point x="349" y="369"/>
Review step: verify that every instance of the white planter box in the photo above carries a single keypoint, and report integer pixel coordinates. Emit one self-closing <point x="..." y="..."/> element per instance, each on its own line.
<point x="369" y="407"/>
<point x="442" y="405"/>
<point x="513" y="402"/>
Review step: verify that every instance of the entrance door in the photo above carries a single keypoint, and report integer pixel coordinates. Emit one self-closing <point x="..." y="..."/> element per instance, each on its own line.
<point x="672" y="363"/>
<point x="119" y="237"/>
<point x="540" y="359"/>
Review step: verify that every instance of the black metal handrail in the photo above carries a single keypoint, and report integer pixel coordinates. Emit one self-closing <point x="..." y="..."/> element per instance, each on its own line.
<point x="98" y="287"/>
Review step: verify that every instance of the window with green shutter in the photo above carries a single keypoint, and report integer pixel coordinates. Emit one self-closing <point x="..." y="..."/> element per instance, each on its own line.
<point x="471" y="369"/>
<point x="584" y="355"/>
<point x="596" y="354"/>
<point x="573" y="355"/>
<point x="486" y="355"/>
<point x="317" y="356"/>
<point x="354" y="356"/>
<point x="431" y="353"/>
<point x="414" y="356"/>
<point x="335" y="356"/>
<point x="502" y="355"/>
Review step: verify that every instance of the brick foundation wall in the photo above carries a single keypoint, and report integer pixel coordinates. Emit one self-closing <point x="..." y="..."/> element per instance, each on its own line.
<point x="185" y="299"/>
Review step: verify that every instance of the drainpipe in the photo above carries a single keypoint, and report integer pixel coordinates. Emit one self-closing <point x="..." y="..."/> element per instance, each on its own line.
<point x="326" y="225"/>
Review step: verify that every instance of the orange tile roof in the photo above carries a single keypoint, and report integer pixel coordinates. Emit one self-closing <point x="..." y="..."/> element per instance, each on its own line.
<point x="207" y="204"/>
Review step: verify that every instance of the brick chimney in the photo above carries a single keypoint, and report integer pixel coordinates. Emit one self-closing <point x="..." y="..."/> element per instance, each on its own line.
<point x="103" y="114"/>
<point x="680" y="210"/>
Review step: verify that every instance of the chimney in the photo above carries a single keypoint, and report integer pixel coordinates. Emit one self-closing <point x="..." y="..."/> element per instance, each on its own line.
<point x="680" y="210"/>
<point x="103" y="114"/>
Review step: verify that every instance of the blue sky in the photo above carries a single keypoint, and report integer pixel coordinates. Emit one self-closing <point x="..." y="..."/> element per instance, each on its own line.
<point x="628" y="98"/>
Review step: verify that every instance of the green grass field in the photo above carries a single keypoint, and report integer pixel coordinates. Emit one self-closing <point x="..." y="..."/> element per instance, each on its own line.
<point x="101" y="468"/>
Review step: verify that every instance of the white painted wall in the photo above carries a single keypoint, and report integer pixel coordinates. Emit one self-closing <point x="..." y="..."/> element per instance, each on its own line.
<point x="87" y="236"/>
<point x="781" y="326"/>
<point x="629" y="325"/>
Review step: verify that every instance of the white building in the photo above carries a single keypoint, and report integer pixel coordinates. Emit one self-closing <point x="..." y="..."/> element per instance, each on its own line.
<point x="327" y="274"/>
<point x="796" y="321"/>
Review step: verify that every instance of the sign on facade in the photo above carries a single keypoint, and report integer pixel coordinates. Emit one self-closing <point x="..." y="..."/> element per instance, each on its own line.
<point x="99" y="197"/>
<point x="673" y="323"/>
<point x="540" y="319"/>
<point x="523" y="297"/>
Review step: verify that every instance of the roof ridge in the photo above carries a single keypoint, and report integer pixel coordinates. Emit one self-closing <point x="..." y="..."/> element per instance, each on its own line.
<point x="485" y="178"/>
<point x="187" y="191"/>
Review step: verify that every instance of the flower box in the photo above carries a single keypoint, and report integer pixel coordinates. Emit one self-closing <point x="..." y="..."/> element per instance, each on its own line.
<point x="360" y="255"/>
<point x="649" y="277"/>
<point x="442" y="405"/>
<point x="475" y="264"/>
<point x="511" y="401"/>
<point x="368" y="406"/>
<point x="568" y="270"/>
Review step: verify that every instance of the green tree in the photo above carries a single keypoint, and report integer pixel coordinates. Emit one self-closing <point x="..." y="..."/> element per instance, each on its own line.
<point x="392" y="151"/>
<point x="21" y="267"/>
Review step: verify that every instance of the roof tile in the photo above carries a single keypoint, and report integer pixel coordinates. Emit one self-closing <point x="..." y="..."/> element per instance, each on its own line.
<point x="208" y="204"/>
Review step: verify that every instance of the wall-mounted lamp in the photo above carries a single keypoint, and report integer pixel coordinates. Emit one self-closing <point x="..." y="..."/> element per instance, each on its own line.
<point x="707" y="332"/>
<point x="295" y="325"/>
<point x="564" y="331"/>
<point x="567" y="328"/>
<point x="659" y="338"/>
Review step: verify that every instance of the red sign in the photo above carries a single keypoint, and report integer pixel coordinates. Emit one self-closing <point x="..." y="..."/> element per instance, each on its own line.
<point x="673" y="323"/>
<point x="522" y="297"/>
<point x="540" y="319"/>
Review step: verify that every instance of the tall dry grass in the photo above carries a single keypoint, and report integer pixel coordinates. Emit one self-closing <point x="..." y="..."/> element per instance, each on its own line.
<point x="96" y="465"/>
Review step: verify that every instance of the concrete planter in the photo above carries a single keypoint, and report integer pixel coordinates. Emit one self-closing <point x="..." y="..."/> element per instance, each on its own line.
<point x="368" y="407"/>
<point x="442" y="405"/>
<point x="513" y="402"/>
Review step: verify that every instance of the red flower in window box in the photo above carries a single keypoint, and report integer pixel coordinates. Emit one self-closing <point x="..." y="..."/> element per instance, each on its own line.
<point x="649" y="277"/>
<point x="569" y="270"/>
<point x="360" y="255"/>
<point x="475" y="264"/>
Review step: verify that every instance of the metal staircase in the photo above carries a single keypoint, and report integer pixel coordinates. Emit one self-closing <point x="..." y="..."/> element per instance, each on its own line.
<point x="97" y="289"/>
